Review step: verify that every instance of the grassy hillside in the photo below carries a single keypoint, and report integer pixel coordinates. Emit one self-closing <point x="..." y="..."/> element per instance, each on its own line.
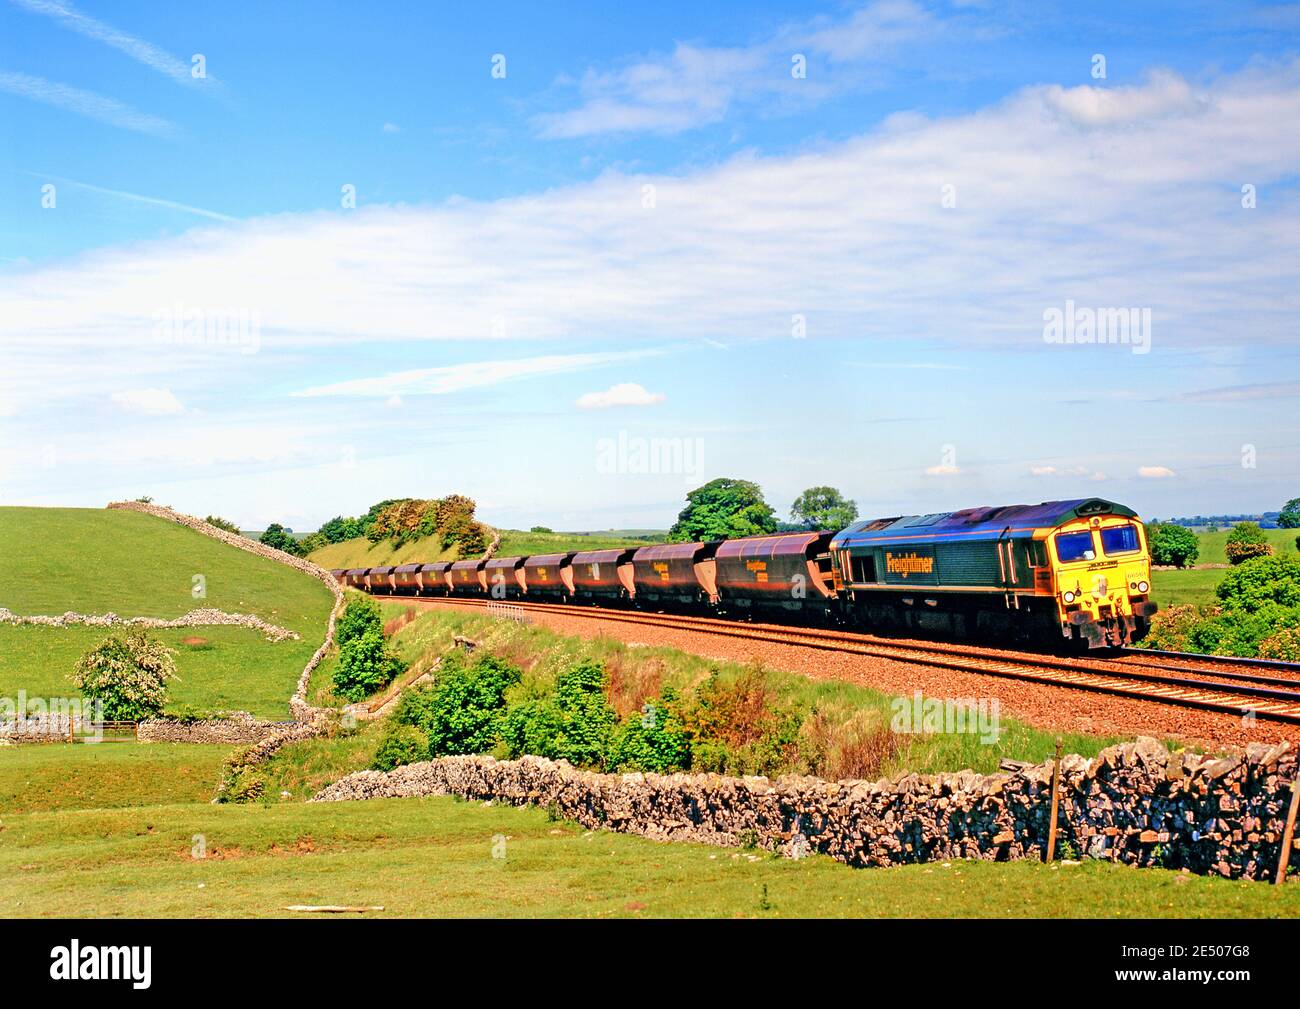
<point x="515" y="542"/>
<point x="361" y="553"/>
<point x="98" y="561"/>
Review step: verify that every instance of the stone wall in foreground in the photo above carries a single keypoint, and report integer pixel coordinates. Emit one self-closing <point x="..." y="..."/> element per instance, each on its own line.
<point x="1135" y="803"/>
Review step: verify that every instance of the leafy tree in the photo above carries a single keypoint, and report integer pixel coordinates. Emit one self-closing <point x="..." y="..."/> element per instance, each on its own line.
<point x="310" y="543"/>
<point x="653" y="739"/>
<point x="575" y="723"/>
<point x="1246" y="541"/>
<point x="220" y="523"/>
<point x="723" y="507"/>
<point x="338" y="529"/>
<point x="280" y="538"/>
<point x="1289" y="517"/>
<point x="402" y="744"/>
<point x="361" y="614"/>
<point x="1172" y="545"/>
<point x="823" y="508"/>
<point x="541" y="529"/>
<point x="365" y="665"/>
<point x="461" y="713"/>
<point x="128" y="676"/>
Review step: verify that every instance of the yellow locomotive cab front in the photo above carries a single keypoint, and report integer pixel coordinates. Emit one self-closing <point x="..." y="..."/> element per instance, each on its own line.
<point x="1102" y="579"/>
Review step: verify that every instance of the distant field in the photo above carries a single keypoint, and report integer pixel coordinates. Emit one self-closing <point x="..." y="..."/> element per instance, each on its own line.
<point x="1212" y="544"/>
<point x="361" y="553"/>
<point x="434" y="856"/>
<point x="99" y="561"/>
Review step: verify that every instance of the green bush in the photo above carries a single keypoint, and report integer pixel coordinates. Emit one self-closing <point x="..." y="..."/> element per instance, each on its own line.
<point x="461" y="712"/>
<point x="128" y="676"/>
<point x="361" y="614"/>
<point x="280" y="538"/>
<point x="1246" y="542"/>
<point x="401" y="744"/>
<point x="1263" y="580"/>
<point x="575" y="723"/>
<point x="653" y="739"/>
<point x="1172" y="545"/>
<point x="1283" y="645"/>
<point x="220" y="523"/>
<point x="365" y="665"/>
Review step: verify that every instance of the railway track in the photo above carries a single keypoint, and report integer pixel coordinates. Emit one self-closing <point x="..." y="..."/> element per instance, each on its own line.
<point x="1209" y="685"/>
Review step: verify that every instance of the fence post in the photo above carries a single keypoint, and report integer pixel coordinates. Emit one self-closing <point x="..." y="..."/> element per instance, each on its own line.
<point x="1289" y="832"/>
<point x="1056" y="799"/>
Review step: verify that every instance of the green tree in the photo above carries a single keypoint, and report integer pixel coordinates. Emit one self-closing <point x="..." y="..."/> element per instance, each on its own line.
<point x="723" y="508"/>
<point x="127" y="675"/>
<point x="1289" y="518"/>
<point x="1172" y="545"/>
<point x="365" y="665"/>
<point x="1260" y="581"/>
<point x="823" y="508"/>
<point x="220" y="523"/>
<point x="339" y="528"/>
<point x="361" y="614"/>
<point x="280" y="538"/>
<point x="1246" y="541"/>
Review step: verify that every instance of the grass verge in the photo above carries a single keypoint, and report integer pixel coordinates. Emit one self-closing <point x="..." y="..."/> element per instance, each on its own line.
<point x="435" y="857"/>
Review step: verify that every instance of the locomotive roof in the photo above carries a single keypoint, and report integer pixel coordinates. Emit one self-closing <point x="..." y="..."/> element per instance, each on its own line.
<point x="1017" y="521"/>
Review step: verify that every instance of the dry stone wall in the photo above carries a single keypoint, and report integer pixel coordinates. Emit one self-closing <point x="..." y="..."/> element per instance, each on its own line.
<point x="204" y="617"/>
<point x="234" y="727"/>
<point x="1135" y="803"/>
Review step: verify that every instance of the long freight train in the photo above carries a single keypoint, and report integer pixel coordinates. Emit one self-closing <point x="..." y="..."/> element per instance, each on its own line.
<point x="1072" y="570"/>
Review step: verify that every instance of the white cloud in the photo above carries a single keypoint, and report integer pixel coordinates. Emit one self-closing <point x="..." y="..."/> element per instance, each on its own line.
<point x="83" y="103"/>
<point x="1163" y="94"/>
<point x="581" y="262"/>
<point x="695" y="85"/>
<point x="474" y="375"/>
<point x="623" y="394"/>
<point x="1155" y="472"/>
<point x="391" y="128"/>
<point x="138" y="49"/>
<point x="154" y="402"/>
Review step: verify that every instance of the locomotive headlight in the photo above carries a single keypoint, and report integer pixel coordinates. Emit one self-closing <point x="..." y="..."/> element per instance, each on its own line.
<point x="1143" y="587"/>
<point x="1068" y="597"/>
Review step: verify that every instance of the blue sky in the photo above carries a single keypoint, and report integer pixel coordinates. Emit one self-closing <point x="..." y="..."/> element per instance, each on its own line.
<point x="638" y="239"/>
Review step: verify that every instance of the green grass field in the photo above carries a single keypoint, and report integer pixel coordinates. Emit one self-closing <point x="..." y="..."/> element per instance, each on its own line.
<point x="435" y="857"/>
<point x="98" y="561"/>
<point x="1212" y="544"/>
<point x="59" y="776"/>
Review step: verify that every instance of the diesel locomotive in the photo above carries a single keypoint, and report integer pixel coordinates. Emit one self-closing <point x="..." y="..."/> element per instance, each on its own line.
<point x="1066" y="571"/>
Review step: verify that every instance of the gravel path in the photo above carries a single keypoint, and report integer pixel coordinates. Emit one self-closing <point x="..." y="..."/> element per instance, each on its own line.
<point x="1058" y="709"/>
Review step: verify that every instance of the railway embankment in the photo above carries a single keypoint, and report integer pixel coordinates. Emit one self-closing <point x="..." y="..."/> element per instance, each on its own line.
<point x="1135" y="803"/>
